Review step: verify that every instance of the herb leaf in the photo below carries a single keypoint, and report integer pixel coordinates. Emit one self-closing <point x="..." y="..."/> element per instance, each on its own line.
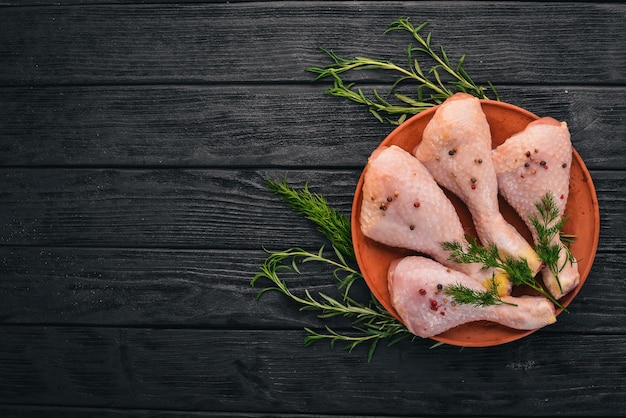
<point x="517" y="268"/>
<point x="480" y="298"/>
<point x="432" y="88"/>
<point x="332" y="224"/>
<point x="370" y="319"/>
<point x="548" y="226"/>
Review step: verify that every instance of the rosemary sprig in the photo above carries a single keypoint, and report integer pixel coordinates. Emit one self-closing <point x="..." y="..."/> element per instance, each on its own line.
<point x="371" y="319"/>
<point x="378" y="104"/>
<point x="548" y="226"/>
<point x="432" y="88"/>
<point x="460" y="78"/>
<point x="332" y="224"/>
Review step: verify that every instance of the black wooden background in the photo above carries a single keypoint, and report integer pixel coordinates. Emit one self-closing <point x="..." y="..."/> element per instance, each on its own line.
<point x="134" y="140"/>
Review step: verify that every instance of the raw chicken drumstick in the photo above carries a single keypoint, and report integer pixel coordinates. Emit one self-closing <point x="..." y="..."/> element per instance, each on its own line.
<point x="404" y="207"/>
<point x="417" y="285"/>
<point x="456" y="149"/>
<point x="530" y="164"/>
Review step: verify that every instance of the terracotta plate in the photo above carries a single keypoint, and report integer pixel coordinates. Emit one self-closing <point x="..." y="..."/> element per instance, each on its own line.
<point x="582" y="212"/>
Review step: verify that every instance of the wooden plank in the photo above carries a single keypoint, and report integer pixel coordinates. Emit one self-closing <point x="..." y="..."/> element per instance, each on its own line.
<point x="159" y="208"/>
<point x="184" y="288"/>
<point x="230" y="126"/>
<point x="28" y="411"/>
<point x="217" y="209"/>
<point x="235" y="126"/>
<point x="131" y="288"/>
<point x="134" y="142"/>
<point x="260" y="371"/>
<point x="218" y="42"/>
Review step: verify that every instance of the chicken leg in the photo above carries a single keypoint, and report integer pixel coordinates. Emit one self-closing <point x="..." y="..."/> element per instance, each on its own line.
<point x="456" y="149"/>
<point x="530" y="164"/>
<point x="404" y="207"/>
<point x="417" y="288"/>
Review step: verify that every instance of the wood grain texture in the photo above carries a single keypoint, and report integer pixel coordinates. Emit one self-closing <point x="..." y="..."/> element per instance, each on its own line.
<point x="134" y="140"/>
<point x="216" y="209"/>
<point x="175" y="288"/>
<point x="235" y="126"/>
<point x="219" y="42"/>
<point x="157" y="288"/>
<point x="251" y="371"/>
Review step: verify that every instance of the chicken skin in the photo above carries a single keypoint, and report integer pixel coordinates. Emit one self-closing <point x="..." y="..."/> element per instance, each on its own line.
<point x="530" y="164"/>
<point x="456" y="149"/>
<point x="417" y="286"/>
<point x="404" y="207"/>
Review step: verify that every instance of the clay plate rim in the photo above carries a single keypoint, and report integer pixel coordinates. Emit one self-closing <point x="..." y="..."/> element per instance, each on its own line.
<point x="582" y="212"/>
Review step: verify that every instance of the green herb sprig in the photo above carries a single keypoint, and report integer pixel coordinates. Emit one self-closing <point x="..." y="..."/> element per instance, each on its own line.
<point x="517" y="268"/>
<point x="548" y="225"/>
<point x="480" y="298"/>
<point x="332" y="224"/>
<point x="432" y="87"/>
<point x="370" y="319"/>
<point x="373" y="322"/>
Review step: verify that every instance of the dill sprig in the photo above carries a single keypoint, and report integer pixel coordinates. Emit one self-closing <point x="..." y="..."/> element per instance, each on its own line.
<point x="548" y="226"/>
<point x="370" y="319"/>
<point x="480" y="298"/>
<point x="432" y="87"/>
<point x="332" y="224"/>
<point x="517" y="268"/>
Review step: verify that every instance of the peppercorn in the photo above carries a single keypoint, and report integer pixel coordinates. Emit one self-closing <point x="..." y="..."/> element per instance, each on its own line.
<point x="434" y="305"/>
